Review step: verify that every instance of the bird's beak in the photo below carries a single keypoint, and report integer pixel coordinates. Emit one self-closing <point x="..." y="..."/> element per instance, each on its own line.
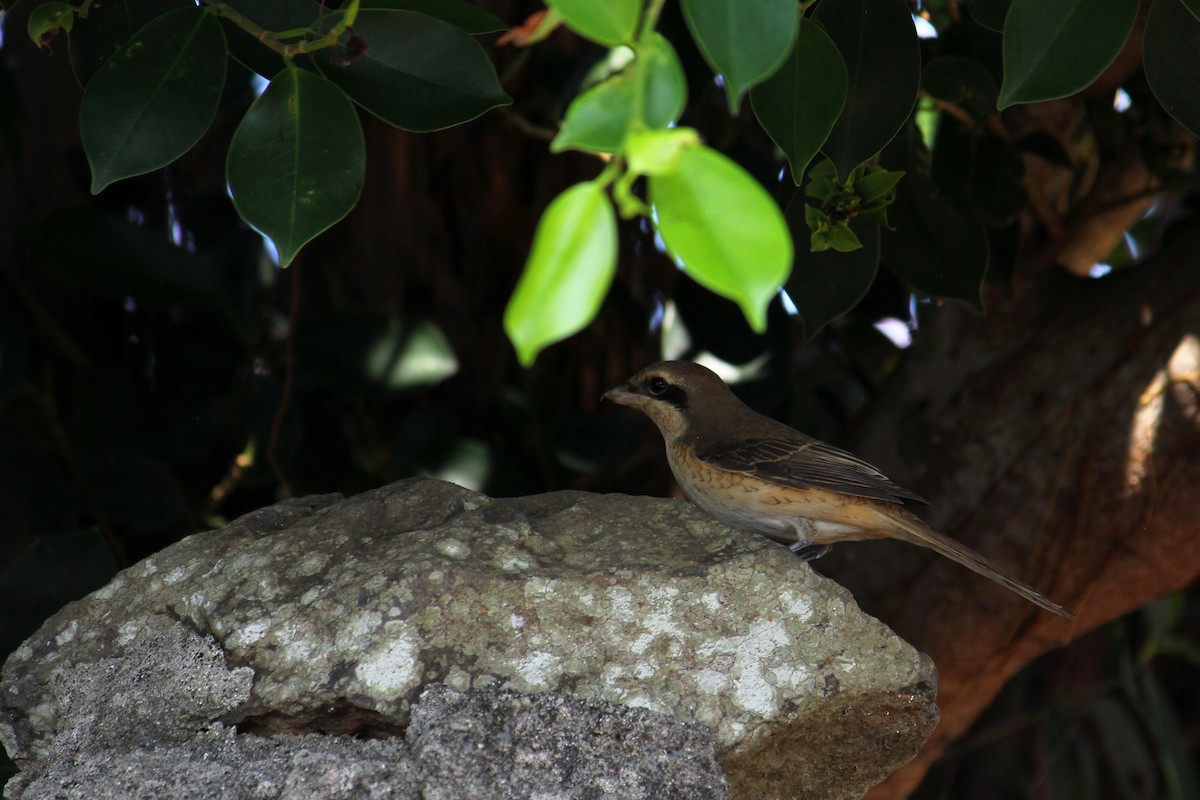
<point x="621" y="394"/>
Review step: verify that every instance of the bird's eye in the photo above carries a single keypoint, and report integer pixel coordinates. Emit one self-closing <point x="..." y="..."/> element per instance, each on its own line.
<point x="657" y="385"/>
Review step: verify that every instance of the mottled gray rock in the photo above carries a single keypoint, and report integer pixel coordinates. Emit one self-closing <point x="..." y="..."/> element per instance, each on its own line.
<point x="345" y="610"/>
<point x="503" y="744"/>
<point x="486" y="744"/>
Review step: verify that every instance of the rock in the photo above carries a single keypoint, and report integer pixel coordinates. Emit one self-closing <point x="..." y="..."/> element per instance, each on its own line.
<point x="491" y="743"/>
<point x="331" y="615"/>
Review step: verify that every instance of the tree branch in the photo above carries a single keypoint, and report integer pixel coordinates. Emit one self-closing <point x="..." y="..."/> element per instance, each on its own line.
<point x="1059" y="435"/>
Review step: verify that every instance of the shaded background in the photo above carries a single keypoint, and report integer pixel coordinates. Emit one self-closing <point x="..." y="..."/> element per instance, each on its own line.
<point x="160" y="376"/>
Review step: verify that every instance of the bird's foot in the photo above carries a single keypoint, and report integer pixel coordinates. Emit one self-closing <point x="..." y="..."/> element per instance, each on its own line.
<point x="808" y="551"/>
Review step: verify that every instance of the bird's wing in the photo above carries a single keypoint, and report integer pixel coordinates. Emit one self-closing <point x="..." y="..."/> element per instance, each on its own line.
<point x="805" y="464"/>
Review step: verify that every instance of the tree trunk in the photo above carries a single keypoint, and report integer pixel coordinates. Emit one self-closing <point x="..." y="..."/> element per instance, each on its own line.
<point x="1060" y="436"/>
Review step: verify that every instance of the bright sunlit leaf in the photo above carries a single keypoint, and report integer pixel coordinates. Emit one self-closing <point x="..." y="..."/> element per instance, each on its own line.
<point x="570" y="268"/>
<point x="728" y="232"/>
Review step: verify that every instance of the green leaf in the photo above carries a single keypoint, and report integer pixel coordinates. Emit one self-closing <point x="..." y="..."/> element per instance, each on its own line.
<point x="875" y="184"/>
<point x="666" y="85"/>
<point x="609" y="22"/>
<point x="728" y="232"/>
<point x="1054" y="48"/>
<point x="109" y="25"/>
<point x="878" y="42"/>
<point x="106" y="254"/>
<point x="470" y="18"/>
<point x="154" y="99"/>
<point x="570" y="267"/>
<point x="46" y="20"/>
<point x="598" y="120"/>
<point x="297" y="160"/>
<point x="799" y="104"/>
<point x="357" y="352"/>
<point x="1194" y="7"/>
<point x="1171" y="43"/>
<point x="744" y="42"/>
<point x="826" y="285"/>
<point x="962" y="81"/>
<point x="418" y="73"/>
<point x="658" y="152"/>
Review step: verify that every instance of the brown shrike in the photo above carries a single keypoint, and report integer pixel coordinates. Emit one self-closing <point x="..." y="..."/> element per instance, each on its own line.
<point x="756" y="474"/>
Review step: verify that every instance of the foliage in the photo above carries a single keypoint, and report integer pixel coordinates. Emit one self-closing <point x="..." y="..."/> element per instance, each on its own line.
<point x="842" y="79"/>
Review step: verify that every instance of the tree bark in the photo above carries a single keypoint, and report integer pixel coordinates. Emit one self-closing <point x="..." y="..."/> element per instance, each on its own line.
<point x="1060" y="436"/>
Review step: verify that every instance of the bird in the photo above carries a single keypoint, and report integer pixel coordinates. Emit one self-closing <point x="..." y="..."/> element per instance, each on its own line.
<point x="754" y="473"/>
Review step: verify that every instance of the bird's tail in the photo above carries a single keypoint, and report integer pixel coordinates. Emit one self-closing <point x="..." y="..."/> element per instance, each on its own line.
<point x="911" y="529"/>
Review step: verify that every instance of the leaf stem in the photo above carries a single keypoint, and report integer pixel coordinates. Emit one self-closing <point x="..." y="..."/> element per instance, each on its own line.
<point x="650" y="19"/>
<point x="275" y="39"/>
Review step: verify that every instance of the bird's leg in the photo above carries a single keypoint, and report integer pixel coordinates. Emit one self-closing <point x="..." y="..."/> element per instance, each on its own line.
<point x="805" y="531"/>
<point x="809" y="552"/>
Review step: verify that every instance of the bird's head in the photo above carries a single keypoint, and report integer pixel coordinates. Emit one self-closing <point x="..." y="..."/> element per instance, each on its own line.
<point x="669" y="392"/>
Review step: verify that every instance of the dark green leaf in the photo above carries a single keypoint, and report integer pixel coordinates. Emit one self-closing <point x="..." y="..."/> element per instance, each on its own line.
<point x="879" y="45"/>
<point x="297" y="161"/>
<point x="154" y="99"/>
<point x="356" y="352"/>
<point x="130" y="489"/>
<point x="826" y="285"/>
<point x="938" y="246"/>
<point x="599" y="119"/>
<point x="609" y="23"/>
<point x="875" y="184"/>
<point x="742" y="41"/>
<point x="106" y="27"/>
<point x="799" y="104"/>
<point x="570" y="267"/>
<point x="989" y="13"/>
<point x="417" y="73"/>
<point x="471" y="18"/>
<point x="1055" y="48"/>
<point x="1171" y="45"/>
<point x="725" y="228"/>
<point x="962" y="81"/>
<point x="109" y="255"/>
